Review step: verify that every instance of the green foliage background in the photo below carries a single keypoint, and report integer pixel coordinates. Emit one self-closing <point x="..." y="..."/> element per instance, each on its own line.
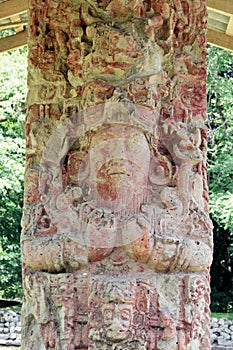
<point x="13" y="85"/>
<point x="220" y="175"/>
<point x="220" y="163"/>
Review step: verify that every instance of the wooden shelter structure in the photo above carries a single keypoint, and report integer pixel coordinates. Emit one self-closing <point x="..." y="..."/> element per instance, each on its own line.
<point x="13" y="15"/>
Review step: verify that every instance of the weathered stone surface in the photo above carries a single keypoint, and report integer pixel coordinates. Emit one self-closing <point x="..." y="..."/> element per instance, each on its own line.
<point x="164" y="319"/>
<point x="116" y="239"/>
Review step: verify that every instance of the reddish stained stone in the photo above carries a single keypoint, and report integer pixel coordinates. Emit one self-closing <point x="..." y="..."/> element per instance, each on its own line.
<point x="116" y="237"/>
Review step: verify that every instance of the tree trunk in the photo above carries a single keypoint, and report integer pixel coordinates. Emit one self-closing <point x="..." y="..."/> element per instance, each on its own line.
<point x="116" y="240"/>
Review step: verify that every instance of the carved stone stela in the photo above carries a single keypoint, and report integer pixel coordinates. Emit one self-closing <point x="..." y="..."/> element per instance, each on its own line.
<point x="116" y="240"/>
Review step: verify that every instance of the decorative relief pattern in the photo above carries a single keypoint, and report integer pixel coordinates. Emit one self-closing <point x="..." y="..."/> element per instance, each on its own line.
<point x="116" y="238"/>
<point x="74" y="311"/>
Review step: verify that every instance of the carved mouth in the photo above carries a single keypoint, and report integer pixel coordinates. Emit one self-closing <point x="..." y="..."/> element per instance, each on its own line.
<point x="114" y="334"/>
<point x="118" y="170"/>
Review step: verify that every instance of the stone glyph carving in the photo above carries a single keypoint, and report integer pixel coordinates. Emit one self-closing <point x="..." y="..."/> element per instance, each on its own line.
<point x="116" y="238"/>
<point x="140" y="313"/>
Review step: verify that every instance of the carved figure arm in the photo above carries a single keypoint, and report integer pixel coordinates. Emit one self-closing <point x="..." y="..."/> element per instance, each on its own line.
<point x="172" y="254"/>
<point x="54" y="253"/>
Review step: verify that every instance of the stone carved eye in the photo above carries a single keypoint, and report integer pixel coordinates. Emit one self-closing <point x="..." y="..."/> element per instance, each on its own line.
<point x="138" y="320"/>
<point x="125" y="315"/>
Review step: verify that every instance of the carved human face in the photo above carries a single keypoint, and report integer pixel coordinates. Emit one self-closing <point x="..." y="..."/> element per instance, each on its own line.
<point x="118" y="164"/>
<point x="117" y="320"/>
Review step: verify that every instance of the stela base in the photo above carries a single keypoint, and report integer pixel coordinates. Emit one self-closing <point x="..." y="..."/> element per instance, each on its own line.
<point x="127" y="311"/>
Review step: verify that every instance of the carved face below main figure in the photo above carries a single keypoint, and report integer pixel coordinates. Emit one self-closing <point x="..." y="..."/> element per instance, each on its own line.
<point x="117" y="320"/>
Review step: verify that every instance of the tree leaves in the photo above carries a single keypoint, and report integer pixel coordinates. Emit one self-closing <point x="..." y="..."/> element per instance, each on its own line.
<point x="12" y="149"/>
<point x="220" y="174"/>
<point x="220" y="121"/>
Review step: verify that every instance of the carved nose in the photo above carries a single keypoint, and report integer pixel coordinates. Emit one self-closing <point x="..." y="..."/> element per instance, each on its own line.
<point x="115" y="324"/>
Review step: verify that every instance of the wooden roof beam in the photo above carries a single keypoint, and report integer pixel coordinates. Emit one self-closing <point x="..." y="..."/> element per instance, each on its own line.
<point x="13" y="25"/>
<point x="219" y="39"/>
<point x="18" y="28"/>
<point x="12" y="7"/>
<point x="225" y="6"/>
<point x="14" y="41"/>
